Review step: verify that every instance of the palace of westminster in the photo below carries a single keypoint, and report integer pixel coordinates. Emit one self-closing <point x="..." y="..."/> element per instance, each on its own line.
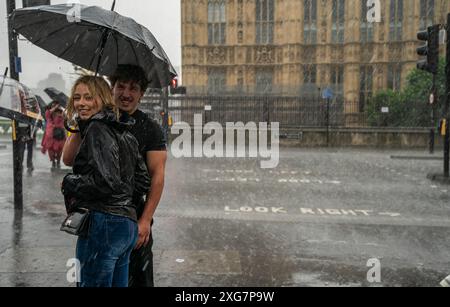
<point x="300" y="47"/>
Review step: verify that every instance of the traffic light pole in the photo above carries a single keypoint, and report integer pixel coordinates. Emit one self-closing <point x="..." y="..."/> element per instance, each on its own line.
<point x="447" y="106"/>
<point x="166" y="112"/>
<point x="433" y="103"/>
<point x="328" y="122"/>
<point x="17" y="163"/>
<point x="12" y="39"/>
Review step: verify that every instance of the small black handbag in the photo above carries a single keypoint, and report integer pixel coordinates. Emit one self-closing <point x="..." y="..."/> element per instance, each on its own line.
<point x="77" y="223"/>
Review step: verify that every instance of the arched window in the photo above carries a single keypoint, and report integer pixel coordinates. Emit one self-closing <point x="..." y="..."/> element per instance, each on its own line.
<point x="426" y="14"/>
<point x="310" y="22"/>
<point x="396" y="21"/>
<point x="366" y="26"/>
<point x="216" y="22"/>
<point x="338" y="26"/>
<point x="265" y="13"/>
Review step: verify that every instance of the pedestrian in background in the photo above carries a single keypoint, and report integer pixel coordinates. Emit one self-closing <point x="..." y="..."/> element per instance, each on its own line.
<point x="55" y="134"/>
<point x="26" y="136"/>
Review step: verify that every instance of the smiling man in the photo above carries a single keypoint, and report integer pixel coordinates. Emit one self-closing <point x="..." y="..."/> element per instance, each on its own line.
<point x="129" y="85"/>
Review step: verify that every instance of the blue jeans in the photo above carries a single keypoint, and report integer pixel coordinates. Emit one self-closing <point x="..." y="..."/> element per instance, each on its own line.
<point x="105" y="254"/>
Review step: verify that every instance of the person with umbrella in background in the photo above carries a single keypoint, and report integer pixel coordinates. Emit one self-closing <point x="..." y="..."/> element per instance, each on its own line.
<point x="26" y="136"/>
<point x="18" y="103"/>
<point x="57" y="95"/>
<point x="55" y="134"/>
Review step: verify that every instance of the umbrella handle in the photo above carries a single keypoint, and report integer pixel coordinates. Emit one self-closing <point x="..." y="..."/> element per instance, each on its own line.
<point x="66" y="125"/>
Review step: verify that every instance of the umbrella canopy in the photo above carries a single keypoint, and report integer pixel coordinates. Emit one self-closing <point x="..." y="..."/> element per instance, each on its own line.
<point x="17" y="102"/>
<point x="58" y="96"/>
<point x="95" y="39"/>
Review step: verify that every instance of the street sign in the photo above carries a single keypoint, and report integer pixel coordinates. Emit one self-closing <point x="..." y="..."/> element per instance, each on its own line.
<point x="18" y="64"/>
<point x="431" y="98"/>
<point x="208" y="108"/>
<point x="327" y="93"/>
<point x="384" y="110"/>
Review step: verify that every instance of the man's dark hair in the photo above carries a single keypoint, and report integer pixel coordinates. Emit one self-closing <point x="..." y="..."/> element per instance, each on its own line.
<point x="127" y="73"/>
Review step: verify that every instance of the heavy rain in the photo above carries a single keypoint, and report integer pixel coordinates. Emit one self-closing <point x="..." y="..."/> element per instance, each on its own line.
<point x="249" y="143"/>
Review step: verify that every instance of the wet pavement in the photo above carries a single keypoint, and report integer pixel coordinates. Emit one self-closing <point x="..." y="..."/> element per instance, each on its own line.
<point x="316" y="220"/>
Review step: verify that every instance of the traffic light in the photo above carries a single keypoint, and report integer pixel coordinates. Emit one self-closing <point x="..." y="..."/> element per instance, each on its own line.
<point x="430" y="50"/>
<point x="175" y="89"/>
<point x="174" y="83"/>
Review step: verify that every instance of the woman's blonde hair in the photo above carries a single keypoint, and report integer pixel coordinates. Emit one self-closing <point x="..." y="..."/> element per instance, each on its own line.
<point x="99" y="89"/>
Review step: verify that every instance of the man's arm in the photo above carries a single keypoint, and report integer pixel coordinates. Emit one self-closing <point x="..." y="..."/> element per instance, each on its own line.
<point x="156" y="161"/>
<point x="71" y="148"/>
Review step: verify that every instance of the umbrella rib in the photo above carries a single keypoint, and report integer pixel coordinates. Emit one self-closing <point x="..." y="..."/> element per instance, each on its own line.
<point x="117" y="47"/>
<point x="134" y="51"/>
<point x="95" y="54"/>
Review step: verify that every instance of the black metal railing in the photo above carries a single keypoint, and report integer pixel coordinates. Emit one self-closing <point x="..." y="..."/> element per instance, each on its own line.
<point x="290" y="112"/>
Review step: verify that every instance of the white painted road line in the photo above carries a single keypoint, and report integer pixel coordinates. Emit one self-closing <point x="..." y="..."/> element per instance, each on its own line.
<point x="218" y="171"/>
<point x="390" y="214"/>
<point x="310" y="211"/>
<point x="283" y="180"/>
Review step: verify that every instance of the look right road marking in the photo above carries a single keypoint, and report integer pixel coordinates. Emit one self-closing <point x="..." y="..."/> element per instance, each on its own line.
<point x="311" y="211"/>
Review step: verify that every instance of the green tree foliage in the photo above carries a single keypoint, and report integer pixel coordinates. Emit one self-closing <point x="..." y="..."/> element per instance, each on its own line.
<point x="409" y="107"/>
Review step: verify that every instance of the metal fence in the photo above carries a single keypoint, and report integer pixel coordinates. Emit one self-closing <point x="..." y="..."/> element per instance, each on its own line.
<point x="290" y="112"/>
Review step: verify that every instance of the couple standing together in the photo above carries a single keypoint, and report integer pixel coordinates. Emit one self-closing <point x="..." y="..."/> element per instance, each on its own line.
<point x="118" y="159"/>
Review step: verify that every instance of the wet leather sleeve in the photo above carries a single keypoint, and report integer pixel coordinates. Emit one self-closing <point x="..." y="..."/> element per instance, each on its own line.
<point x="103" y="179"/>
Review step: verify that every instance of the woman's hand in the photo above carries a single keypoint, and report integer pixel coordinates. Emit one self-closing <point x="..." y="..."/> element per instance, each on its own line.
<point x="71" y="148"/>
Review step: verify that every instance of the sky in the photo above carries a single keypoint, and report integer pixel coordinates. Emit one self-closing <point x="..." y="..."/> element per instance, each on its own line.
<point x="161" y="17"/>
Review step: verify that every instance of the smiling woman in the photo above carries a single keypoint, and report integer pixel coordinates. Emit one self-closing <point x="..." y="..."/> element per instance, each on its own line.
<point x="85" y="105"/>
<point x="89" y="96"/>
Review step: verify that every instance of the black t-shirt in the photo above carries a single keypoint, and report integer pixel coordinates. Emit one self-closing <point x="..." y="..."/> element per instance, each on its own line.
<point x="148" y="133"/>
<point x="150" y="137"/>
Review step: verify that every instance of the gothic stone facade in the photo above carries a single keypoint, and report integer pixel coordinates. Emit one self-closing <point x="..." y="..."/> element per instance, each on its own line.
<point x="297" y="47"/>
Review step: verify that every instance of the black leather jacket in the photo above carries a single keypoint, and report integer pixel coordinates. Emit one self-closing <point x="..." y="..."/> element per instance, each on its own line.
<point x="108" y="169"/>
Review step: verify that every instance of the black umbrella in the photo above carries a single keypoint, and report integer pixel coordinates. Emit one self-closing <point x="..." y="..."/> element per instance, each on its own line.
<point x="58" y="96"/>
<point x="95" y="39"/>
